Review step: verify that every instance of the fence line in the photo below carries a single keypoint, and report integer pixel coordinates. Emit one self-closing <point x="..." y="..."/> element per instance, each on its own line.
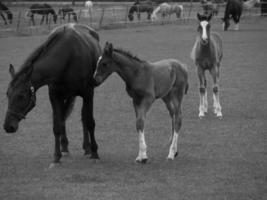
<point x="109" y="17"/>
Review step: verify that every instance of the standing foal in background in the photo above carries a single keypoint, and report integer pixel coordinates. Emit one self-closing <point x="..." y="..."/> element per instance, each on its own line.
<point x="207" y="54"/>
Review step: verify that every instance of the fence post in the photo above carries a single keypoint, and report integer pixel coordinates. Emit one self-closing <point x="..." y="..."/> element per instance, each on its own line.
<point x="18" y="23"/>
<point x="190" y="9"/>
<point x="101" y="18"/>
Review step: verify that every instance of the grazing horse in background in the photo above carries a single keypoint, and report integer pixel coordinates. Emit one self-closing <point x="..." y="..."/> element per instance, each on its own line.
<point x="67" y="10"/>
<point x="233" y="10"/>
<point x="44" y="10"/>
<point x="139" y="7"/>
<point x="65" y="62"/>
<point x="89" y="5"/>
<point x="166" y="9"/>
<point x="207" y="55"/>
<point x="250" y="4"/>
<point x="4" y="9"/>
<point x="146" y="82"/>
<point x="210" y="7"/>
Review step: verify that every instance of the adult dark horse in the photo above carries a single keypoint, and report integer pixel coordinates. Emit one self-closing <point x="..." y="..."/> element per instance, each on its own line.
<point x="44" y="10"/>
<point x="233" y="10"/>
<point x="145" y="82"/>
<point x="65" y="62"/>
<point x="4" y="9"/>
<point x="67" y="10"/>
<point x="139" y="7"/>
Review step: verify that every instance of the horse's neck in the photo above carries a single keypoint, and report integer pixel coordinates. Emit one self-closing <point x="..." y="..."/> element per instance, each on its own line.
<point x="126" y="69"/>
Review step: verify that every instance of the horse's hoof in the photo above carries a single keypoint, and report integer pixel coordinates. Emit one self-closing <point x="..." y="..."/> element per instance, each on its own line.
<point x="219" y="115"/>
<point x="53" y="165"/>
<point x="94" y="156"/>
<point x="141" y="161"/>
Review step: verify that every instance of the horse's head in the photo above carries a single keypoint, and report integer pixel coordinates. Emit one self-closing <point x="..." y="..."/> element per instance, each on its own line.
<point x="225" y="23"/>
<point x="130" y="16"/>
<point x="105" y="64"/>
<point x="204" y="27"/>
<point x="21" y="99"/>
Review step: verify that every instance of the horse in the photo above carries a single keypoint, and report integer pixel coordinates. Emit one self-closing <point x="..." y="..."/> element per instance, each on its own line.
<point x="207" y="54"/>
<point x="250" y="4"/>
<point x="233" y="10"/>
<point x="65" y="62"/>
<point x="4" y="9"/>
<point x="44" y="10"/>
<point x="145" y="82"/>
<point x="67" y="10"/>
<point x="89" y="5"/>
<point x="166" y="9"/>
<point x="139" y="7"/>
<point x="210" y="7"/>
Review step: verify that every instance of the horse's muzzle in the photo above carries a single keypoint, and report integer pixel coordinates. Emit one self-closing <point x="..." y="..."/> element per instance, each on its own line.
<point x="11" y="124"/>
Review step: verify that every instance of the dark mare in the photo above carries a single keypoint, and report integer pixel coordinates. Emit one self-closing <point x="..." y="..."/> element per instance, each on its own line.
<point x="67" y="10"/>
<point x="4" y="9"/>
<point x="207" y="55"/>
<point x="139" y="7"/>
<point x="65" y="62"/>
<point x="44" y="10"/>
<point x="233" y="10"/>
<point x="146" y="82"/>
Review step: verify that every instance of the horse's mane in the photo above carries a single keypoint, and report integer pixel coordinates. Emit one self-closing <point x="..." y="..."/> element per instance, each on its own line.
<point x="128" y="54"/>
<point x="36" y="54"/>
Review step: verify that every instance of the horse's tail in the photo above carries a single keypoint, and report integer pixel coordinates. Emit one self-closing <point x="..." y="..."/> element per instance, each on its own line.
<point x="68" y="107"/>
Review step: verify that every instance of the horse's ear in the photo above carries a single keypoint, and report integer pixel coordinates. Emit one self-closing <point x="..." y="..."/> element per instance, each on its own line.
<point x="209" y="17"/>
<point x="199" y="17"/>
<point x="108" y="50"/>
<point x="11" y="70"/>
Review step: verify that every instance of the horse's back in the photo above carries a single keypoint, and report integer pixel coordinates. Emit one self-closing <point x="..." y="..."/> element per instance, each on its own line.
<point x="82" y="43"/>
<point x="233" y="7"/>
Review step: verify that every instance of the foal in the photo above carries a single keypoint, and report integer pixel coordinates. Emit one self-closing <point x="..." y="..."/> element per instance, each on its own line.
<point x="207" y="54"/>
<point x="146" y="82"/>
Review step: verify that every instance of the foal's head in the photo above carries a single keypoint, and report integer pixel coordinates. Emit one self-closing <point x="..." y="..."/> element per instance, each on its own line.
<point x="105" y="64"/>
<point x="204" y="27"/>
<point x="21" y="99"/>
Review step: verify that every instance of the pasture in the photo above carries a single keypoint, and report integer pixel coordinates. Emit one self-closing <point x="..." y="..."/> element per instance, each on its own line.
<point x="218" y="159"/>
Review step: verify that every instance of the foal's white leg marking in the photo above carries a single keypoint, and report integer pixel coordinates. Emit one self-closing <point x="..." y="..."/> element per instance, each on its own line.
<point x="142" y="147"/>
<point x="237" y="27"/>
<point x="216" y="105"/>
<point x="206" y="102"/>
<point x="173" y="147"/>
<point x="201" y="105"/>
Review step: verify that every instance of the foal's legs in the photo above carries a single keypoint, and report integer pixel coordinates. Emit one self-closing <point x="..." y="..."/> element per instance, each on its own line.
<point x="203" y="102"/>
<point x="141" y="107"/>
<point x="89" y="125"/>
<point x="216" y="101"/>
<point x="173" y="103"/>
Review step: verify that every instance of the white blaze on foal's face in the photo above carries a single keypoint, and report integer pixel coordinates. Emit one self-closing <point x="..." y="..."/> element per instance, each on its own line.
<point x="205" y="28"/>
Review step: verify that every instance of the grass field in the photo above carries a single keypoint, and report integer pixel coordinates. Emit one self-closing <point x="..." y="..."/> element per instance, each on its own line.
<point x="218" y="159"/>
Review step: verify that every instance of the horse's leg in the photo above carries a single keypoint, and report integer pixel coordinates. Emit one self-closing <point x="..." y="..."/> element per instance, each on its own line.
<point x="89" y="125"/>
<point x="32" y="19"/>
<point x="173" y="102"/>
<point x="141" y="107"/>
<point x="3" y="18"/>
<point x="42" y="20"/>
<point x="203" y="103"/>
<point x="58" y="125"/>
<point x="236" y="20"/>
<point x="216" y="101"/>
